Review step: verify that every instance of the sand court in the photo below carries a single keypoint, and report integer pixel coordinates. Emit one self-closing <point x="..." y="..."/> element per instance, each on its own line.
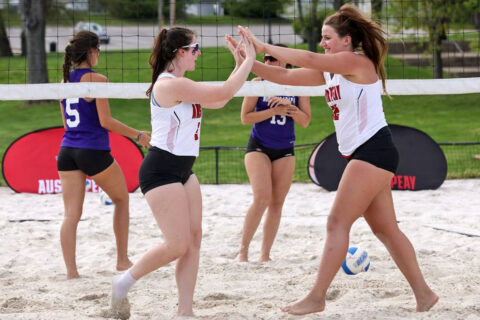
<point x="443" y="225"/>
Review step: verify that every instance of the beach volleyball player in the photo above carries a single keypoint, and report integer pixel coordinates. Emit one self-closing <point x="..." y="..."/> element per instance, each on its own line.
<point x="85" y="150"/>
<point x="166" y="178"/>
<point x="355" y="49"/>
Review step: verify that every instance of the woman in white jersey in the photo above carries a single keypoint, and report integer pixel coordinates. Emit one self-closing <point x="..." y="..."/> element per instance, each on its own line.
<point x="355" y="49"/>
<point x="166" y="178"/>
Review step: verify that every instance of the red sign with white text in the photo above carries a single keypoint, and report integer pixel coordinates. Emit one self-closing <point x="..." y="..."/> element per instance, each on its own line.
<point x="30" y="162"/>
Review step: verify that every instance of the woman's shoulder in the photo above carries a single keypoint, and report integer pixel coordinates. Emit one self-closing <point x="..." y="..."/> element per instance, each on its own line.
<point x="93" y="77"/>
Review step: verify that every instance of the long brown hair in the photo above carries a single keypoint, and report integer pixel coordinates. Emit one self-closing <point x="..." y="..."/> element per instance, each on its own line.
<point x="77" y="50"/>
<point x="165" y="49"/>
<point x="365" y="33"/>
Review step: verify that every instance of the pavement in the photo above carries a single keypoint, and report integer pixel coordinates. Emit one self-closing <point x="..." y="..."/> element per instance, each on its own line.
<point x="142" y="37"/>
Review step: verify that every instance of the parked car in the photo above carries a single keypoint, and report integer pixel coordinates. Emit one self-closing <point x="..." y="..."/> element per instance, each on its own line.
<point x="94" y="27"/>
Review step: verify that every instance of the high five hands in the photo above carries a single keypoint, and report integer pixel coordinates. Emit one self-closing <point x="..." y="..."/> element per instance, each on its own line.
<point x="241" y="50"/>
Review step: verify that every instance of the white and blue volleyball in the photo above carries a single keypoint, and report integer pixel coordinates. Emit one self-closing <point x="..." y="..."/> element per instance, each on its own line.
<point x="356" y="261"/>
<point x="105" y="199"/>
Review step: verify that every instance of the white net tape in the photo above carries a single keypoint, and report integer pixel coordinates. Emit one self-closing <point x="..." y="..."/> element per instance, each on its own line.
<point x="55" y="91"/>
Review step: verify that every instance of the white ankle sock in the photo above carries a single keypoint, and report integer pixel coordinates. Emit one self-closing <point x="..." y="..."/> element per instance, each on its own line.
<point x="122" y="284"/>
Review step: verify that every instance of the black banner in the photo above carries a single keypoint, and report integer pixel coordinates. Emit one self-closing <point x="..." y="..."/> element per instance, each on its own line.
<point x="422" y="162"/>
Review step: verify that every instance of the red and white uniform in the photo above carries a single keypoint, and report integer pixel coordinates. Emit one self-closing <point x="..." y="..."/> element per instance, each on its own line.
<point x="176" y="129"/>
<point x="357" y="111"/>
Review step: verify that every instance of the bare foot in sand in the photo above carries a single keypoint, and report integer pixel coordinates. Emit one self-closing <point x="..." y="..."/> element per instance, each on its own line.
<point x="265" y="258"/>
<point x="185" y="315"/>
<point x="73" y="275"/>
<point x="124" y="265"/>
<point x="243" y="255"/>
<point x="305" y="306"/>
<point x="427" y="303"/>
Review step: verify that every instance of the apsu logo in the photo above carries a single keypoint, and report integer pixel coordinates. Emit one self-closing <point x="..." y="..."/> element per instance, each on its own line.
<point x="30" y="162"/>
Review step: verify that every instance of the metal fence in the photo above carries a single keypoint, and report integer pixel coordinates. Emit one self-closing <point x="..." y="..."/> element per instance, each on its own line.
<point x="223" y="164"/>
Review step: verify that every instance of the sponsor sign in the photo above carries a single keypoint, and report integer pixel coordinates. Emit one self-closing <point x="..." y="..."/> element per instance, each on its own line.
<point x="422" y="162"/>
<point x="30" y="162"/>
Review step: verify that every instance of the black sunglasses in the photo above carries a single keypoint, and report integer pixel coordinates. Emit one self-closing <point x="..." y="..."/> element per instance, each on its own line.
<point x="269" y="58"/>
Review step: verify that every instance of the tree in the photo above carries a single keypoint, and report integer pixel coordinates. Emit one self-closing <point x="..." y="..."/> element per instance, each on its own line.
<point x="434" y="16"/>
<point x="144" y="9"/>
<point x="262" y="9"/>
<point x="160" y="14"/>
<point x="5" y="49"/>
<point x="33" y="18"/>
<point x="309" y="26"/>
<point x="377" y="8"/>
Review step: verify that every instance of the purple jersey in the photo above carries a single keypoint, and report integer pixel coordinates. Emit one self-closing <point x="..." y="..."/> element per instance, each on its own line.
<point x="81" y="119"/>
<point x="277" y="132"/>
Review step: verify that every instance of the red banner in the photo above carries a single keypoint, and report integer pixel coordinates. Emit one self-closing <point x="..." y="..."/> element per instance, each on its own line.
<point x="30" y="162"/>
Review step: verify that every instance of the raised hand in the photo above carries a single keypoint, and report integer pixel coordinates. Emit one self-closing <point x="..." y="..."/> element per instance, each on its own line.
<point x="232" y="45"/>
<point x="248" y="47"/>
<point x="259" y="45"/>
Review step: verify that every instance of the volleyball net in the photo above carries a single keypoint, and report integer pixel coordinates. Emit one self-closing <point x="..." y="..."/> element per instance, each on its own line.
<point x="127" y="29"/>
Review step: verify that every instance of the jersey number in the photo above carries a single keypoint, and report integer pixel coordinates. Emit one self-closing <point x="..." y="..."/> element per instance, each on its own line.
<point x="195" y="137"/>
<point x="335" y="112"/>
<point x="281" y="121"/>
<point x="73" y="119"/>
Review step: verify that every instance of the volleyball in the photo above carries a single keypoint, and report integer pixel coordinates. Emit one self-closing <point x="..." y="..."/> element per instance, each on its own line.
<point x="356" y="261"/>
<point x="105" y="199"/>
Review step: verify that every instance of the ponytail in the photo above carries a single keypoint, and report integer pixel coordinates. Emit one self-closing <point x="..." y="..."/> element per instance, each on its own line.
<point x="366" y="35"/>
<point x="165" y="50"/>
<point x="77" y="51"/>
<point x="67" y="63"/>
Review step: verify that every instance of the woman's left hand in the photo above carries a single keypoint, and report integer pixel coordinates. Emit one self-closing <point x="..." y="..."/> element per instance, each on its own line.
<point x="238" y="53"/>
<point x="285" y="105"/>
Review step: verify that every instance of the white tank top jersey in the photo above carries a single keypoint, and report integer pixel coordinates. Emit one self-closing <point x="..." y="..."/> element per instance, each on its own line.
<point x="176" y="129"/>
<point x="357" y="111"/>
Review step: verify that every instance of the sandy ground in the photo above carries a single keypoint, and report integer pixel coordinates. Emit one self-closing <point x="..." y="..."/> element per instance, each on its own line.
<point x="32" y="273"/>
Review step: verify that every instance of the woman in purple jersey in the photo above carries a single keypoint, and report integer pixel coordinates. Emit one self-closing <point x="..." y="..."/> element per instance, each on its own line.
<point x="85" y="150"/>
<point x="270" y="159"/>
<point x="353" y="70"/>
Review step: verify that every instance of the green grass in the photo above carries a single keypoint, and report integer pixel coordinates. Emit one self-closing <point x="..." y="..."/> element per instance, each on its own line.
<point x="446" y="118"/>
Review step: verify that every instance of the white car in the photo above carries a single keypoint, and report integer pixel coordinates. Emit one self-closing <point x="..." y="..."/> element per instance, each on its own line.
<point x="94" y="27"/>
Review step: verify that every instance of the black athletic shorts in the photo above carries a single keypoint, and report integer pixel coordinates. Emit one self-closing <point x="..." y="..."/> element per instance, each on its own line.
<point x="161" y="167"/>
<point x="379" y="150"/>
<point x="272" y="154"/>
<point x="89" y="161"/>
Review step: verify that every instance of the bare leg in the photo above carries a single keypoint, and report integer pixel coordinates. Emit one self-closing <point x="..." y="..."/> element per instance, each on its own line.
<point x="259" y="170"/>
<point x="187" y="265"/>
<point x="112" y="181"/>
<point x="359" y="185"/>
<point x="383" y="222"/>
<point x="282" y="174"/>
<point x="73" y="193"/>
<point x="170" y="206"/>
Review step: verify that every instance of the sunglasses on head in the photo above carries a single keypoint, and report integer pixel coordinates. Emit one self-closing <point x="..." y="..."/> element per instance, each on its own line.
<point x="195" y="46"/>
<point x="269" y="58"/>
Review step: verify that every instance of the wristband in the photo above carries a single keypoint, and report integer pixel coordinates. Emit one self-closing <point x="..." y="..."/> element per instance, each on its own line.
<point x="139" y="135"/>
